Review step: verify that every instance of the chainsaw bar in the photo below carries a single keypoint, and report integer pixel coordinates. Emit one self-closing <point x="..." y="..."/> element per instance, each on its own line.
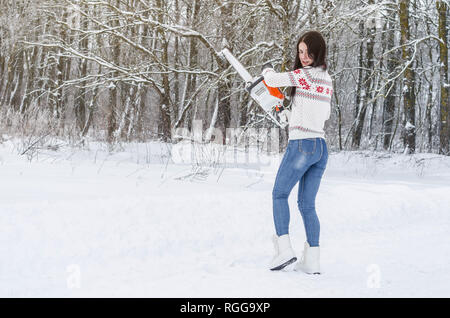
<point x="256" y="87"/>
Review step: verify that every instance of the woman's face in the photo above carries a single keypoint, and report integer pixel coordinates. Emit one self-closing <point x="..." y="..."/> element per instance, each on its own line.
<point x="303" y="54"/>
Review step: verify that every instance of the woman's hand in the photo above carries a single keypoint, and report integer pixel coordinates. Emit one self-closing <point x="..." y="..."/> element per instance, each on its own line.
<point x="284" y="117"/>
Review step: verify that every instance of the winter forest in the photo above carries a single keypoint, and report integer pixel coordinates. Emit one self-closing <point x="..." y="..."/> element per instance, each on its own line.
<point x="135" y="70"/>
<point x="101" y="106"/>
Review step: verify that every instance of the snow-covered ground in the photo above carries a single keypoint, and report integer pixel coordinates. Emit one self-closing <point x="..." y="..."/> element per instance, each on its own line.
<point x="133" y="223"/>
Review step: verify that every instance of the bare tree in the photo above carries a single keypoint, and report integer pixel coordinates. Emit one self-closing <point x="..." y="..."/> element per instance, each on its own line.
<point x="389" y="103"/>
<point x="409" y="128"/>
<point x="444" y="133"/>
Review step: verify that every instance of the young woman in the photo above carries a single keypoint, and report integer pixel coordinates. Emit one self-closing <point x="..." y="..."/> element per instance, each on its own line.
<point x="306" y="155"/>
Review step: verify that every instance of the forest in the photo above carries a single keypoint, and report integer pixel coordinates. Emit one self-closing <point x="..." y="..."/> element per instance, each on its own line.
<point x="136" y="70"/>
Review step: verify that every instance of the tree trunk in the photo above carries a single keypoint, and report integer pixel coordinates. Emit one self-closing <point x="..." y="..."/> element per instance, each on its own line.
<point x="81" y="98"/>
<point x="165" y="124"/>
<point x="176" y="62"/>
<point x="113" y="96"/>
<point x="191" y="79"/>
<point x="408" y="129"/>
<point x="224" y="87"/>
<point x="360" y="104"/>
<point x="444" y="132"/>
<point x="389" y="101"/>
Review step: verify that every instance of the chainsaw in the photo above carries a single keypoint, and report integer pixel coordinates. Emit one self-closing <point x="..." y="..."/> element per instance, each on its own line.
<point x="269" y="98"/>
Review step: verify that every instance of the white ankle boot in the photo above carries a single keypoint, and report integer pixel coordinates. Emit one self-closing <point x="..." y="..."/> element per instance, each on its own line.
<point x="284" y="255"/>
<point x="310" y="262"/>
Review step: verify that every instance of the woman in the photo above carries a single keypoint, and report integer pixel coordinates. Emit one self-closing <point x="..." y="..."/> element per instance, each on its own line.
<point x="306" y="155"/>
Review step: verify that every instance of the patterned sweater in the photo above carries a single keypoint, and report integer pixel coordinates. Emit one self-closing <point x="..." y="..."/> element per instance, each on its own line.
<point x="311" y="105"/>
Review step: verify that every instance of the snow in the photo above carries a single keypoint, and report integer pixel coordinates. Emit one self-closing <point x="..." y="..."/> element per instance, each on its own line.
<point x="131" y="223"/>
<point x="409" y="126"/>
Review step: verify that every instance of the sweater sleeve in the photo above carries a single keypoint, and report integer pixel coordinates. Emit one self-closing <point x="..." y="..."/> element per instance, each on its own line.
<point x="274" y="79"/>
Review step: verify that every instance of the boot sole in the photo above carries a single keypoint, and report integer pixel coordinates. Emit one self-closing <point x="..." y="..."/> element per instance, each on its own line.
<point x="280" y="267"/>
<point x="309" y="273"/>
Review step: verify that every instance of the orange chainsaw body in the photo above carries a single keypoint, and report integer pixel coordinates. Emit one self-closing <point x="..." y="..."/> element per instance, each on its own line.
<point x="274" y="91"/>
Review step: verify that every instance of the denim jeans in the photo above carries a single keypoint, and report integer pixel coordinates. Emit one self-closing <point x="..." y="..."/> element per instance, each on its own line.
<point x="304" y="161"/>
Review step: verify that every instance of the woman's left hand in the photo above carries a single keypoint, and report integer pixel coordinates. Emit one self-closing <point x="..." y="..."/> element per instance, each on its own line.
<point x="284" y="117"/>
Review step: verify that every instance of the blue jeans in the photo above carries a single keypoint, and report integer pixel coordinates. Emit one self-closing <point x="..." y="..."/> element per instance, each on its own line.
<point x="304" y="161"/>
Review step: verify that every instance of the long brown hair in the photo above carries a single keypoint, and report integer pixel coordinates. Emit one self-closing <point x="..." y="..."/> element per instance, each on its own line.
<point x="317" y="50"/>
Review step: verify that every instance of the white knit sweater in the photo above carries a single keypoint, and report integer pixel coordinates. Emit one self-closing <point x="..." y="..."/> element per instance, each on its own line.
<point x="312" y="100"/>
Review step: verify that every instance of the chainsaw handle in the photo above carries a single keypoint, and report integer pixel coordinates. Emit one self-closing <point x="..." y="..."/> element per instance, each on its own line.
<point x="279" y="108"/>
<point x="250" y="87"/>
